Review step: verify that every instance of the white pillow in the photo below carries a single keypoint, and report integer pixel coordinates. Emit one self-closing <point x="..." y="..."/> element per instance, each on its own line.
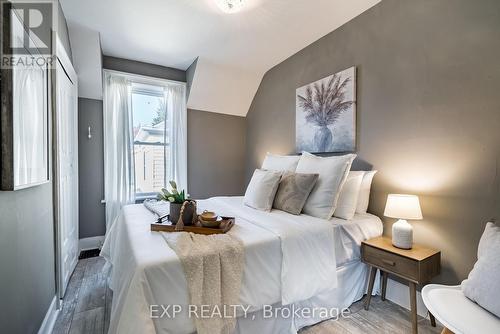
<point x="364" y="192"/>
<point x="483" y="284"/>
<point x="283" y="163"/>
<point x="262" y="189"/>
<point x="346" y="205"/>
<point x="332" y="174"/>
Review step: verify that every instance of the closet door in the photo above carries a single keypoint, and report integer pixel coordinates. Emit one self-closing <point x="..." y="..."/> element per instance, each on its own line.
<point x="66" y="134"/>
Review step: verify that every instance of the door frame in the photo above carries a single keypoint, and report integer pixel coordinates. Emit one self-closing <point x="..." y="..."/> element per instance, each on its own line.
<point x="61" y="59"/>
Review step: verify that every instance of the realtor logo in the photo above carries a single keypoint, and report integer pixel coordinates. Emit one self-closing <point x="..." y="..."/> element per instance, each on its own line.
<point x="27" y="31"/>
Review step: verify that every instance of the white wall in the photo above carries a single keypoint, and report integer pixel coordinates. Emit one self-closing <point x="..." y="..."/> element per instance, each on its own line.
<point x="87" y="60"/>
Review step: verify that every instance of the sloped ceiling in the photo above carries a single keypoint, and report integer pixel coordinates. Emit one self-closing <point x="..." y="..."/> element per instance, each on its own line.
<point x="233" y="50"/>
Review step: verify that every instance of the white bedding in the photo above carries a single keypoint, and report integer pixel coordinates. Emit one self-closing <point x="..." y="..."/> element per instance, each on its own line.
<point x="308" y="264"/>
<point x="278" y="260"/>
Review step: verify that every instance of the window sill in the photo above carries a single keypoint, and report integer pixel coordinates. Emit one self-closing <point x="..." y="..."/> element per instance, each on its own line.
<point x="139" y="198"/>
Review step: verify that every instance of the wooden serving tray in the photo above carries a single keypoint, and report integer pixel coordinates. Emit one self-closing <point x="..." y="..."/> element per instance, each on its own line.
<point x="226" y="224"/>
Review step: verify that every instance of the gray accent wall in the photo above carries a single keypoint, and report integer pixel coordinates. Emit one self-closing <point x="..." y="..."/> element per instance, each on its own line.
<point x="216" y="154"/>
<point x="137" y="67"/>
<point x="91" y="168"/>
<point x="27" y="253"/>
<point x="428" y="114"/>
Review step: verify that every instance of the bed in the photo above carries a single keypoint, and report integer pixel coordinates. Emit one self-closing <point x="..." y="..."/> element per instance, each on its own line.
<point x="145" y="271"/>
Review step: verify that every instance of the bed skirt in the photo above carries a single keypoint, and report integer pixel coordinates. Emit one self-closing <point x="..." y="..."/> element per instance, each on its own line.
<point x="352" y="285"/>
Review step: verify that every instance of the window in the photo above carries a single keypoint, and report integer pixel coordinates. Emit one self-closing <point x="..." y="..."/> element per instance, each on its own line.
<point x="145" y="138"/>
<point x="151" y="147"/>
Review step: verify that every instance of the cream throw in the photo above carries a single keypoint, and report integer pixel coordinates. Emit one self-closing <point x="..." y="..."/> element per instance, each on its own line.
<point x="213" y="265"/>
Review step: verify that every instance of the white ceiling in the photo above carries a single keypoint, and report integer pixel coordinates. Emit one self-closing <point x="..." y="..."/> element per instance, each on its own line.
<point x="234" y="50"/>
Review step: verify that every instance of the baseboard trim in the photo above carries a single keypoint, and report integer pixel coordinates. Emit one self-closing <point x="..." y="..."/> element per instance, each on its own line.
<point x="399" y="293"/>
<point x="50" y="318"/>
<point x="91" y="243"/>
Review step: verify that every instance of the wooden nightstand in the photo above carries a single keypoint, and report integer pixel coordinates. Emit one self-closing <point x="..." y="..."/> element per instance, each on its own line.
<point x="417" y="266"/>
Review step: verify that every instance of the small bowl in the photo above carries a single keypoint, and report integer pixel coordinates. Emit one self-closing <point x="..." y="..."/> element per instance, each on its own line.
<point x="210" y="223"/>
<point x="209" y="216"/>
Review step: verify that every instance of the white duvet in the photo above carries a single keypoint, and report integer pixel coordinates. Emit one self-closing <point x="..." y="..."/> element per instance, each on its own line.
<point x="287" y="259"/>
<point x="307" y="247"/>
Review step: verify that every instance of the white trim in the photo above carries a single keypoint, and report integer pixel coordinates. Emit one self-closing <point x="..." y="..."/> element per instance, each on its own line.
<point x="144" y="78"/>
<point x="400" y="294"/>
<point x="91" y="243"/>
<point x="50" y="318"/>
<point x="65" y="61"/>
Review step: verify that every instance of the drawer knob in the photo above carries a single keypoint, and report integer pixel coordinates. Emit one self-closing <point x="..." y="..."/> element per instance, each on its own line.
<point x="388" y="262"/>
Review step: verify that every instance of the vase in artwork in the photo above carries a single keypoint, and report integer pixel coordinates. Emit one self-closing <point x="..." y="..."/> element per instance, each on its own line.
<point x="323" y="139"/>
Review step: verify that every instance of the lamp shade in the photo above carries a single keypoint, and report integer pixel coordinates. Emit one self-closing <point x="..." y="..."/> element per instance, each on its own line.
<point x="403" y="207"/>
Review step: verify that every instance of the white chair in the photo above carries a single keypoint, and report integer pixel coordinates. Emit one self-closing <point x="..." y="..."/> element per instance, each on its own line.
<point x="458" y="313"/>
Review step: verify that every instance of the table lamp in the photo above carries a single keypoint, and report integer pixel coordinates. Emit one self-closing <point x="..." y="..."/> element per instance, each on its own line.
<point x="402" y="207"/>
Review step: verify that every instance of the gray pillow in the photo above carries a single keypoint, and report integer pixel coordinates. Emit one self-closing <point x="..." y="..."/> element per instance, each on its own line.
<point x="293" y="190"/>
<point x="483" y="284"/>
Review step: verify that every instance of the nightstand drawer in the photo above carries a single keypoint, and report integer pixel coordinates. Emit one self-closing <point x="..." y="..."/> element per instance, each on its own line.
<point x="390" y="262"/>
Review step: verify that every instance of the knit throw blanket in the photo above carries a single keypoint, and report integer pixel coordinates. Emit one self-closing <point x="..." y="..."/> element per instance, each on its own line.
<point x="213" y="265"/>
<point x="160" y="208"/>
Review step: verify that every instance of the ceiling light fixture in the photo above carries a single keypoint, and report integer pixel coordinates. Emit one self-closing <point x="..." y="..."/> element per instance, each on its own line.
<point x="230" y="6"/>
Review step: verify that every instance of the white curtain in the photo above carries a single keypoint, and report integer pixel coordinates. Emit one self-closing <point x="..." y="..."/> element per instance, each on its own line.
<point x="175" y="96"/>
<point x="118" y="146"/>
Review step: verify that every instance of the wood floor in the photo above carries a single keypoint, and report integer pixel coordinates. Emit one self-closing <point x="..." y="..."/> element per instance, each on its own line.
<point x="87" y="306"/>
<point x="87" y="303"/>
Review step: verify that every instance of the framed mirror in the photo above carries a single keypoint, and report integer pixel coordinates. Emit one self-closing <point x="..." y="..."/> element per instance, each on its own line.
<point x="24" y="116"/>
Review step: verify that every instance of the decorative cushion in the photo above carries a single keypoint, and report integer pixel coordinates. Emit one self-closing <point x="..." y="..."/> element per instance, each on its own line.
<point x="364" y="192"/>
<point x="262" y="189"/>
<point x="281" y="162"/>
<point x="293" y="190"/>
<point x="332" y="172"/>
<point x="483" y="284"/>
<point x="348" y="198"/>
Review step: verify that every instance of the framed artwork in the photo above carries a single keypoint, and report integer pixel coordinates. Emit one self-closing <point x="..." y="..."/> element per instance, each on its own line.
<point x="24" y="115"/>
<point x="326" y="114"/>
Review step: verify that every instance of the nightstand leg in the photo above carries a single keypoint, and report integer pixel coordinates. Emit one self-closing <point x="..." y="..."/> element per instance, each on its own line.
<point x="384" y="284"/>
<point x="433" y="320"/>
<point x="373" y="273"/>
<point x="413" y="304"/>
